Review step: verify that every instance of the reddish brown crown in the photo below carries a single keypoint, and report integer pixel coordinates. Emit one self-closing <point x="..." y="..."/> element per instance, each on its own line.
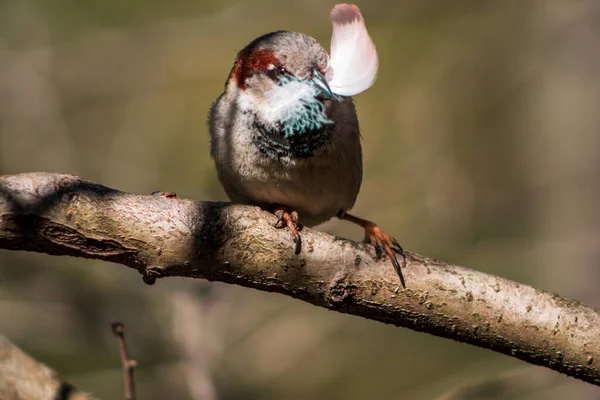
<point x="250" y="61"/>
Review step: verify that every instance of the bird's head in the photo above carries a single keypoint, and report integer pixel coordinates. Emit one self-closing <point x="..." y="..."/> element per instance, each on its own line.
<point x="278" y="58"/>
<point x="281" y="77"/>
<point x="288" y="80"/>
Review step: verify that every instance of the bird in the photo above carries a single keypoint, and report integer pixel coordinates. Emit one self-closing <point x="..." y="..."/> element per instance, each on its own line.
<point x="285" y="134"/>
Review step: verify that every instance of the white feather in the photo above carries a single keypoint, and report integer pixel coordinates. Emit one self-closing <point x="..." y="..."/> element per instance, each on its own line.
<point x="353" y="63"/>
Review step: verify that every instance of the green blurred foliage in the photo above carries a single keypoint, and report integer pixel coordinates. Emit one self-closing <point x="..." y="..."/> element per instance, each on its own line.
<point x="481" y="141"/>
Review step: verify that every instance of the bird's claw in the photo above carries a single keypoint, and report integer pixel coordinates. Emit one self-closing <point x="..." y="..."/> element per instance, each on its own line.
<point x="378" y="250"/>
<point x="397" y="248"/>
<point x="298" y="242"/>
<point x="280" y="222"/>
<point x="381" y="241"/>
<point x="289" y="219"/>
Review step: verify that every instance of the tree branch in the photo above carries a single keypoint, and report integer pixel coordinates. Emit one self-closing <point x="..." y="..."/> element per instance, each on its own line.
<point x="23" y="378"/>
<point x="161" y="236"/>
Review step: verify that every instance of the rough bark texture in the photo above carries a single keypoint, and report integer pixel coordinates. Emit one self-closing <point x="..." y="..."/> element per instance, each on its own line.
<point x="161" y="236"/>
<point x="23" y="378"/>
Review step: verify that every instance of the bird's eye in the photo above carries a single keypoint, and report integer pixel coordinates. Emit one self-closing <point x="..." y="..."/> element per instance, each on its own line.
<point x="278" y="72"/>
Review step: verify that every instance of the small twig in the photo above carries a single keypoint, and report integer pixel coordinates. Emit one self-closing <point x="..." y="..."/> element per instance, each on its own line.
<point x="128" y="365"/>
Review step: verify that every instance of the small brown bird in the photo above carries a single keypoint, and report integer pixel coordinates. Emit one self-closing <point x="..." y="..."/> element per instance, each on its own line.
<point x="285" y="135"/>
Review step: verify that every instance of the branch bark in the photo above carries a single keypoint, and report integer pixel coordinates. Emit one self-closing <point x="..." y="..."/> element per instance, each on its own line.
<point x="24" y="378"/>
<point x="161" y="236"/>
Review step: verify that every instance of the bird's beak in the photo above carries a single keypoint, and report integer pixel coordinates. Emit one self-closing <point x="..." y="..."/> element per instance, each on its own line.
<point x="324" y="91"/>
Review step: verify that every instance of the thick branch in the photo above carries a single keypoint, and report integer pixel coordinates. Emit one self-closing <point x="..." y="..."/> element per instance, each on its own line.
<point x="23" y="378"/>
<point x="161" y="236"/>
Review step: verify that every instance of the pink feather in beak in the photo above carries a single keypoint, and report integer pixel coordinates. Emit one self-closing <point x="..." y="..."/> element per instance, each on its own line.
<point x="353" y="63"/>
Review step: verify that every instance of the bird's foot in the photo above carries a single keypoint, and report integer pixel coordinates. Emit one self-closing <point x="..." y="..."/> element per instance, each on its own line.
<point x="289" y="219"/>
<point x="385" y="243"/>
<point x="382" y="243"/>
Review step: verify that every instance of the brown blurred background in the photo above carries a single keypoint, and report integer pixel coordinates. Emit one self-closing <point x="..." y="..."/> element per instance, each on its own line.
<point x="482" y="147"/>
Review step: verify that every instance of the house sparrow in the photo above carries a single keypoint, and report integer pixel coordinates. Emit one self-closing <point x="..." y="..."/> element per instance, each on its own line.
<point x="285" y="135"/>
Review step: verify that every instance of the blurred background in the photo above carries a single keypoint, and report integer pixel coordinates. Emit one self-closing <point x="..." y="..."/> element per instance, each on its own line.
<point x="481" y="147"/>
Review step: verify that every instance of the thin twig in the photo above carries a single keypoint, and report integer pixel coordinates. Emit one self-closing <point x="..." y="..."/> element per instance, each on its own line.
<point x="128" y="365"/>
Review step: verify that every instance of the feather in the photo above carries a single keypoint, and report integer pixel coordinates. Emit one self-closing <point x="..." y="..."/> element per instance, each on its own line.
<point x="353" y="63"/>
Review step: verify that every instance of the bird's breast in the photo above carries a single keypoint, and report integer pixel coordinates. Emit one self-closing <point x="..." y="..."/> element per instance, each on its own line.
<point x="316" y="172"/>
<point x="272" y="142"/>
